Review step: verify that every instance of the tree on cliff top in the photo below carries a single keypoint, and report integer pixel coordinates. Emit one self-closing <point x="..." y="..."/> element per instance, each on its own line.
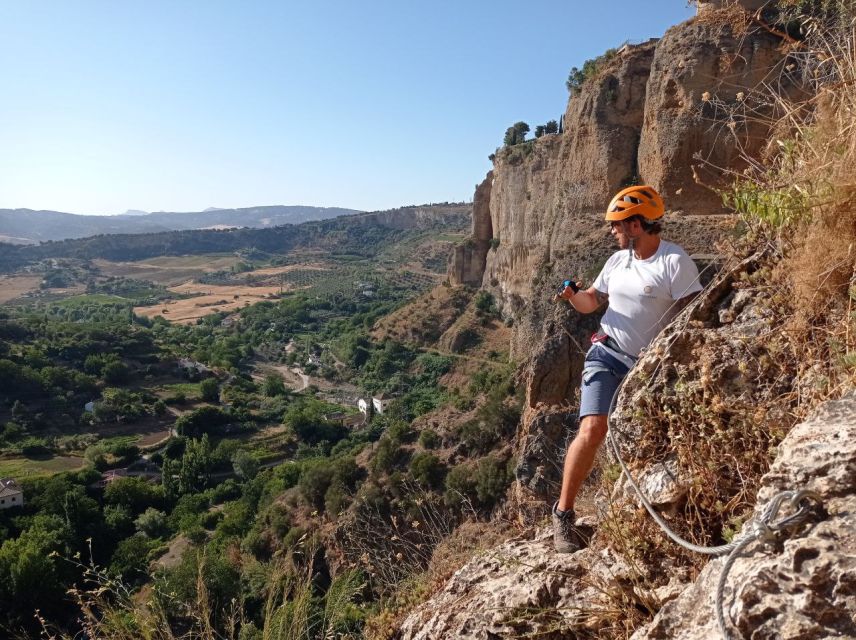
<point x="516" y="134"/>
<point x="590" y="68"/>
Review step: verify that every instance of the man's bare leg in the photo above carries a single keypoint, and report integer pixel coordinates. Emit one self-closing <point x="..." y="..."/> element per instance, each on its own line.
<point x="580" y="458"/>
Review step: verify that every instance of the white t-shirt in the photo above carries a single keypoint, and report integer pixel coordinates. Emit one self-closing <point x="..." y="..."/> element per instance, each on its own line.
<point x="642" y="294"/>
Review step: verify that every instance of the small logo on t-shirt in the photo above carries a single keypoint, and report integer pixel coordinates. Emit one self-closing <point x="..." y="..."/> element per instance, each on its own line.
<point x="648" y="288"/>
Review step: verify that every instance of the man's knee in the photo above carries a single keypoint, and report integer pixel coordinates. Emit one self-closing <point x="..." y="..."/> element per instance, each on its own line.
<point x="593" y="430"/>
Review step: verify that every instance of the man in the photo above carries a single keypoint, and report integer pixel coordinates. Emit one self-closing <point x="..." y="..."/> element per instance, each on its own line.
<point x="645" y="283"/>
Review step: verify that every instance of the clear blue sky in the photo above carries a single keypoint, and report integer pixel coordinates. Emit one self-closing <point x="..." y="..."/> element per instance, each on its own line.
<point x="181" y="105"/>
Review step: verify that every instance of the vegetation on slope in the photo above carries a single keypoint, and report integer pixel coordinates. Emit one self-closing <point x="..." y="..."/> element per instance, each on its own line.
<point x="259" y="521"/>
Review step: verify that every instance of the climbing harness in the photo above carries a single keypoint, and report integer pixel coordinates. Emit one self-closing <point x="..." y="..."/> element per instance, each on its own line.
<point x="764" y="527"/>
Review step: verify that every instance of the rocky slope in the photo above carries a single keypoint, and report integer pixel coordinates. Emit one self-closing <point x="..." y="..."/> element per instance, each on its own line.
<point x="802" y="588"/>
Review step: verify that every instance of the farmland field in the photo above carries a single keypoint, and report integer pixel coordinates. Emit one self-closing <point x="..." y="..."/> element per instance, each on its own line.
<point x="22" y="467"/>
<point x="12" y="287"/>
<point x="168" y="270"/>
<point x="211" y="299"/>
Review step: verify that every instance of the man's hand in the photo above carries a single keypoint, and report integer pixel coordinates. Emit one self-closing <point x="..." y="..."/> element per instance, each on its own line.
<point x="585" y="300"/>
<point x="568" y="292"/>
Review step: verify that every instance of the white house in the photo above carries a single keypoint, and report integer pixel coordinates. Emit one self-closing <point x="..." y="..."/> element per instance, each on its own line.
<point x="363" y="406"/>
<point x="187" y="364"/>
<point x="11" y="494"/>
<point x="381" y="402"/>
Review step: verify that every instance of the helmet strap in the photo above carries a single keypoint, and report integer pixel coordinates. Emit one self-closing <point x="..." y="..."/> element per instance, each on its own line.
<point x="631" y="245"/>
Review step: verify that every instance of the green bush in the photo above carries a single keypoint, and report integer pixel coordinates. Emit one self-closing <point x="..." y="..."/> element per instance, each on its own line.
<point x="485" y="304"/>
<point x="347" y="473"/>
<point x="210" y="390"/>
<point x="201" y="421"/>
<point x="335" y="499"/>
<point x="401" y="431"/>
<point x="116" y="373"/>
<point x="492" y="480"/>
<point x="387" y="456"/>
<point x="429" y="439"/>
<point x="152" y="523"/>
<point x="135" y="494"/>
<point x="428" y="470"/>
<point x="777" y="208"/>
<point x="316" y="478"/>
<point x="578" y="76"/>
<point x="477" y="437"/>
<point x="131" y="559"/>
<point x="460" y="485"/>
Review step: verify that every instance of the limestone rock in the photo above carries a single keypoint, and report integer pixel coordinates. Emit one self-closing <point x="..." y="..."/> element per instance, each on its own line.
<point x="806" y="589"/>
<point x="662" y="485"/>
<point x="521" y="587"/>
<point x="543" y="445"/>
<point x="694" y="60"/>
<point x="468" y="259"/>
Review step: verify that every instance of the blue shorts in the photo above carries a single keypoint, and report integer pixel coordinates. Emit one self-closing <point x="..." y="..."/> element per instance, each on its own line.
<point x="602" y="373"/>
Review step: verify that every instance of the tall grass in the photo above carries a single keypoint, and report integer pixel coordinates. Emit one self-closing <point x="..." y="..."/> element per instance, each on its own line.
<point x="295" y="607"/>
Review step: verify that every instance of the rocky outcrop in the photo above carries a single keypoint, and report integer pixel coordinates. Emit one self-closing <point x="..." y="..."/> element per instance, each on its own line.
<point x="695" y="123"/>
<point x="520" y="589"/>
<point x="468" y="259"/>
<point x="419" y="217"/>
<point x="803" y="589"/>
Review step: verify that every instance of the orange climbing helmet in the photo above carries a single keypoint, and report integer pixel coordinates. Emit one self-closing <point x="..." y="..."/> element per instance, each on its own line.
<point x="636" y="201"/>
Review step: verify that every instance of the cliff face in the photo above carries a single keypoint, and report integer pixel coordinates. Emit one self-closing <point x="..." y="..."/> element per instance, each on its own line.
<point x="683" y="130"/>
<point x="421" y="217"/>
<point x="467" y="263"/>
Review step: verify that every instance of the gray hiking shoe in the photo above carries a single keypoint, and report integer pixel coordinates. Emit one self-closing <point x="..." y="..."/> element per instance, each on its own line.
<point x="567" y="537"/>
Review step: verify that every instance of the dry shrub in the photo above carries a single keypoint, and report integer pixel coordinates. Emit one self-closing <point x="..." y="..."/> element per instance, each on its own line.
<point x="449" y="554"/>
<point x="820" y="267"/>
<point x="798" y="194"/>
<point x="393" y="540"/>
<point x="731" y="16"/>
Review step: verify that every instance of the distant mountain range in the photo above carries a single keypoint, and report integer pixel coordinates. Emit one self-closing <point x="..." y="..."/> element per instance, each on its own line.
<point x="25" y="226"/>
<point x="361" y="234"/>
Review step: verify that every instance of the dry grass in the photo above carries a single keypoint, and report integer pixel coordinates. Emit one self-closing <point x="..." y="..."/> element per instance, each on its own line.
<point x="450" y="554"/>
<point x="12" y="287"/>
